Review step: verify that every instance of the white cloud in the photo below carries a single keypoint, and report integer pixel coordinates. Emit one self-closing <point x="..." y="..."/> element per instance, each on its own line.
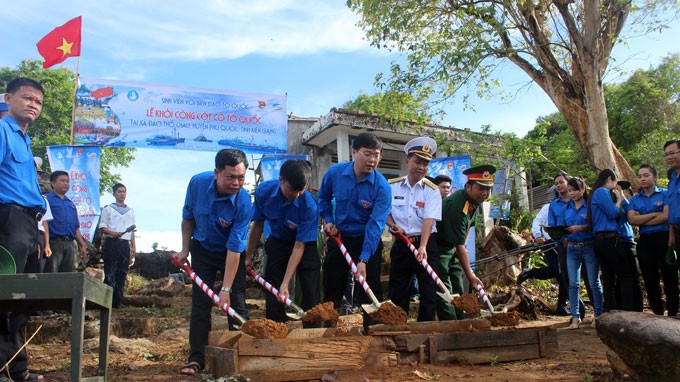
<point x="167" y="240"/>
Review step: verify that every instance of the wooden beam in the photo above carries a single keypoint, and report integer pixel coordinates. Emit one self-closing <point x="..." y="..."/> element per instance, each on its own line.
<point x="430" y="327"/>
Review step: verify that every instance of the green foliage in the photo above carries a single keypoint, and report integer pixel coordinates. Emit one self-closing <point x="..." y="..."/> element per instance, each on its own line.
<point x="53" y="127"/>
<point x="392" y="107"/>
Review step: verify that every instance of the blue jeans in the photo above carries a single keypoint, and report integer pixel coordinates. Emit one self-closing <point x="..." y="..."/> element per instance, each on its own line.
<point x="575" y="256"/>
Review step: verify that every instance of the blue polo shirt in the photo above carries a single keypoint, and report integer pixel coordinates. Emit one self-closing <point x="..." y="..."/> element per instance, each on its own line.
<point x="556" y="212"/>
<point x="644" y="204"/>
<point x="288" y="220"/>
<point x="577" y="216"/>
<point x="18" y="176"/>
<point x="672" y="199"/>
<point x="221" y="222"/>
<point x="64" y="221"/>
<point x="624" y="229"/>
<point x="361" y="208"/>
<point x="605" y="212"/>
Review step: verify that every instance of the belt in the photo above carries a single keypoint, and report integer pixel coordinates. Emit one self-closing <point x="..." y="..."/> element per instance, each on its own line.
<point x="582" y="244"/>
<point x="62" y="238"/>
<point x="606" y="235"/>
<point x="32" y="212"/>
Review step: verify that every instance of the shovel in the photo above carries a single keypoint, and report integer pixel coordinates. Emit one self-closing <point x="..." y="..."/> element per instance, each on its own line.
<point x="445" y="293"/>
<point x="485" y="298"/>
<point x="375" y="304"/>
<point x="299" y="312"/>
<point x="216" y="299"/>
<point x="130" y="229"/>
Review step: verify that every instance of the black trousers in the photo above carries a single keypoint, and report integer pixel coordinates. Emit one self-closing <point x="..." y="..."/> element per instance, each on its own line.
<point x="308" y="272"/>
<point x="206" y="264"/>
<point x="116" y="265"/>
<point x="19" y="235"/>
<point x="630" y="251"/>
<point x="651" y="251"/>
<point x="403" y="266"/>
<point x="616" y="270"/>
<point x="335" y="270"/>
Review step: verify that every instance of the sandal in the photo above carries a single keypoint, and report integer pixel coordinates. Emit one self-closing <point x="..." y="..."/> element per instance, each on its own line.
<point x="27" y="376"/>
<point x="191" y="368"/>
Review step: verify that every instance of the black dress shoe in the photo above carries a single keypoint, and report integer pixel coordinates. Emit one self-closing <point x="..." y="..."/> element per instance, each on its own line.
<point x="523" y="276"/>
<point x="562" y="310"/>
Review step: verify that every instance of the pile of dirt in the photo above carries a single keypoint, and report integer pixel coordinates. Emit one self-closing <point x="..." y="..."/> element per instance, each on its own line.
<point x="390" y="314"/>
<point x="504" y="319"/>
<point x="468" y="303"/>
<point x="321" y="313"/>
<point x="264" y="328"/>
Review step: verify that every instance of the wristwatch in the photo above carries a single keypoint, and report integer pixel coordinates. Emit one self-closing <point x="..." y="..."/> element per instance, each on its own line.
<point x="363" y="261"/>
<point x="226" y="289"/>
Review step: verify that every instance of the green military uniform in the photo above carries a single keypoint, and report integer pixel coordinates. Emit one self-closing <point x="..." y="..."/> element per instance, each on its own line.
<point x="458" y="215"/>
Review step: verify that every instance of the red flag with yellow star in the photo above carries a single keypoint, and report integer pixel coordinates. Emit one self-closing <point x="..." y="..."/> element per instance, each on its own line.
<point x="63" y="42"/>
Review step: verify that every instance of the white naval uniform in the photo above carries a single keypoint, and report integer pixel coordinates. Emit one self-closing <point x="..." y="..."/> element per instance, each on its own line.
<point x="410" y="205"/>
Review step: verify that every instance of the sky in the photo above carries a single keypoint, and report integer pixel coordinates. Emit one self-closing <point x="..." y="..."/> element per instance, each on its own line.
<point x="310" y="50"/>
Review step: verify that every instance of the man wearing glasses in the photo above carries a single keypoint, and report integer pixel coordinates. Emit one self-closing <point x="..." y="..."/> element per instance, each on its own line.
<point x="362" y="203"/>
<point x="671" y="152"/>
<point x="215" y="220"/>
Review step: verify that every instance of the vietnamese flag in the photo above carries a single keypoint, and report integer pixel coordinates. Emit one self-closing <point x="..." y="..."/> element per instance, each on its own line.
<point x="63" y="42"/>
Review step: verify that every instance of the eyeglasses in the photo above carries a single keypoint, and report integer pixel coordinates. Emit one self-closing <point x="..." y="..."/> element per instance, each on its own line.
<point x="672" y="152"/>
<point x="369" y="155"/>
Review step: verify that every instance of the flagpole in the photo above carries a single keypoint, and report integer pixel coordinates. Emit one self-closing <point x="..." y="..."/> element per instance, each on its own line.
<point x="73" y="110"/>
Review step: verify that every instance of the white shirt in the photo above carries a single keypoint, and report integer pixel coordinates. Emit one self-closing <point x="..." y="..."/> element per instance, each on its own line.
<point x="47" y="217"/>
<point x="410" y="205"/>
<point x="541" y="219"/>
<point x="115" y="221"/>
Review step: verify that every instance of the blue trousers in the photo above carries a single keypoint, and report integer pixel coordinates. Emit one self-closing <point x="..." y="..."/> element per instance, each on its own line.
<point x="575" y="257"/>
<point x="116" y="265"/>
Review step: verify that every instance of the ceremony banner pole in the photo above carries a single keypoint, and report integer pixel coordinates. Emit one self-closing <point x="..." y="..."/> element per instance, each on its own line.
<point x="73" y="109"/>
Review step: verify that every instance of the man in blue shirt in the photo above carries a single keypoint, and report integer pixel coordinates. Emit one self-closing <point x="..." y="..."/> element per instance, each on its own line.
<point x="64" y="227"/>
<point x="362" y="203"/>
<point x="21" y="207"/>
<point x="293" y="215"/>
<point x="215" y="219"/>
<point x="671" y="151"/>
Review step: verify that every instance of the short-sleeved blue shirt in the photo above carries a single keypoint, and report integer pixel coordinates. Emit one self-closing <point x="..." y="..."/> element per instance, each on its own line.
<point x="556" y="212"/>
<point x="361" y="208"/>
<point x="221" y="222"/>
<point x="289" y="220"/>
<point x="644" y="205"/>
<point x="672" y="199"/>
<point x="577" y="216"/>
<point x="18" y="176"/>
<point x="624" y="229"/>
<point x="605" y="212"/>
<point x="64" y="221"/>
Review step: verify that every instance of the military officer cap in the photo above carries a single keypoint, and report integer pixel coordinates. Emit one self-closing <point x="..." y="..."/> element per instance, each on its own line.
<point x="482" y="175"/>
<point x="422" y="147"/>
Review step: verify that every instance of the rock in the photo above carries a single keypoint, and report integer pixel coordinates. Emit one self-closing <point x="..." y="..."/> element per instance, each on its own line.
<point x="95" y="272"/>
<point x="648" y="345"/>
<point x="167" y="287"/>
<point x="154" y="265"/>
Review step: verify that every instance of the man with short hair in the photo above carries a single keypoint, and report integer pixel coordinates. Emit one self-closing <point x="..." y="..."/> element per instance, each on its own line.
<point x="443" y="182"/>
<point x="64" y="228"/>
<point x="293" y="216"/>
<point x="459" y="211"/>
<point x="116" y="222"/>
<point x="362" y="203"/>
<point x="215" y="220"/>
<point x="21" y="208"/>
<point x="416" y="207"/>
<point x="671" y="152"/>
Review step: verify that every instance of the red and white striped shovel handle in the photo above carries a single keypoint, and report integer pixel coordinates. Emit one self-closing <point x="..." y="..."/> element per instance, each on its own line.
<point x="214" y="296"/>
<point x="423" y="262"/>
<point x="274" y="291"/>
<point x="353" y="266"/>
<point x="485" y="298"/>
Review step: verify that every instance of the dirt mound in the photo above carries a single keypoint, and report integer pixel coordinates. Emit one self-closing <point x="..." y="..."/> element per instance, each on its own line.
<point x="264" y="328"/>
<point x="321" y="313"/>
<point x="390" y="314"/>
<point x="504" y="319"/>
<point x="467" y="303"/>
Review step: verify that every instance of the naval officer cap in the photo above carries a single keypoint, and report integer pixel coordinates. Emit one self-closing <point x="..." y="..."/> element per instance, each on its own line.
<point x="422" y="147"/>
<point x="482" y="175"/>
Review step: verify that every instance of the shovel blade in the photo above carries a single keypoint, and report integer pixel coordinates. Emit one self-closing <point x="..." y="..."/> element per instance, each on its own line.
<point x="294" y="316"/>
<point x="370" y="308"/>
<point x="447" y="296"/>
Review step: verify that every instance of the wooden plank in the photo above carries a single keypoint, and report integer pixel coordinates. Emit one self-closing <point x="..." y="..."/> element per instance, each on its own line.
<point x="221" y="362"/>
<point x="434" y="327"/>
<point x="458" y="341"/>
<point x="432" y="347"/>
<point x="299" y="348"/>
<point x="224" y="338"/>
<point x="489" y="355"/>
<point x="310" y="333"/>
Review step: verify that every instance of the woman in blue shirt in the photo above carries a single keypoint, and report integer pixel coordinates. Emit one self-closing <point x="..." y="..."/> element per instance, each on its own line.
<point x="647" y="211"/>
<point x="605" y="210"/>
<point x="580" y="250"/>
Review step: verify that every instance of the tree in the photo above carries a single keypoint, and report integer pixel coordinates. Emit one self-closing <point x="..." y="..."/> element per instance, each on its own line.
<point x="392" y="107"/>
<point x="563" y="46"/>
<point x="54" y="125"/>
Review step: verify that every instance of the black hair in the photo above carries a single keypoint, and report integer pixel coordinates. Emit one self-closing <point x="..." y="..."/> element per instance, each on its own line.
<point x="56" y="174"/>
<point x="366" y="140"/>
<point x="230" y="157"/>
<point x="18" y="82"/>
<point x="602" y="178"/>
<point x="651" y="168"/>
<point x="296" y="172"/>
<point x="441" y="179"/>
<point x="668" y="143"/>
<point x="117" y="186"/>
<point x="579" y="184"/>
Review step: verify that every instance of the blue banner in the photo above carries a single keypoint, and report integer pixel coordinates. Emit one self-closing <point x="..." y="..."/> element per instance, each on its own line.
<point x="453" y="167"/>
<point x="128" y="114"/>
<point x="82" y="165"/>
<point x="271" y="165"/>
